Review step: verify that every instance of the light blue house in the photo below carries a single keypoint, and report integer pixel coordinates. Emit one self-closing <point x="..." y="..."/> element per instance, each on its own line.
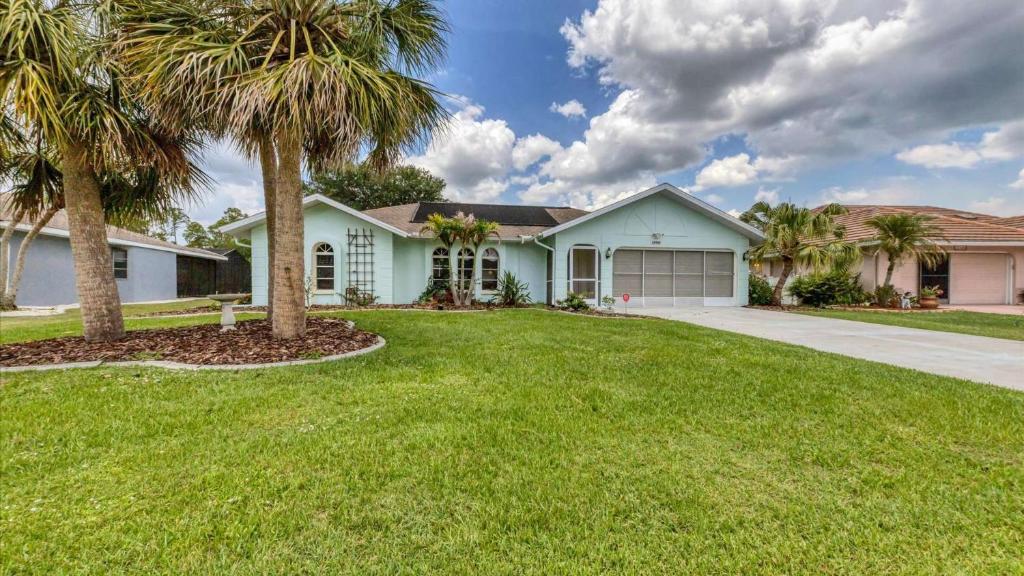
<point x="662" y="246"/>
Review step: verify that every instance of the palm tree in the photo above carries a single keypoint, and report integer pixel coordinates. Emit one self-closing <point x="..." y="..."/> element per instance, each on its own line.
<point x="444" y="231"/>
<point x="799" y="237"/>
<point x="474" y="234"/>
<point x="293" y="81"/>
<point x="62" y="89"/>
<point x="905" y="235"/>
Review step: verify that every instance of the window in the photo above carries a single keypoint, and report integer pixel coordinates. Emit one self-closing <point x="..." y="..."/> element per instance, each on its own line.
<point x="323" y="266"/>
<point x="466" y="260"/>
<point x="583" y="271"/>
<point x="120" y="257"/>
<point x="489" y="270"/>
<point x="440" y="266"/>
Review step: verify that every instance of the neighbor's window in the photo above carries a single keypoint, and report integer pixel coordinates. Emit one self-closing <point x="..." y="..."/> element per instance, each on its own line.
<point x="440" y="267"/>
<point x="323" y="257"/>
<point x="466" y="260"/>
<point x="120" y="257"/>
<point x="489" y="270"/>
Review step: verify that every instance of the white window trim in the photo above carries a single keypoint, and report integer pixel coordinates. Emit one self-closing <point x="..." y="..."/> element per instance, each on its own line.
<point x="316" y="269"/>
<point x="497" y="279"/>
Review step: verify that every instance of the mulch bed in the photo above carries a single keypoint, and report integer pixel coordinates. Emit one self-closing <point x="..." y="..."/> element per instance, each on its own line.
<point x="242" y="309"/>
<point x="250" y="343"/>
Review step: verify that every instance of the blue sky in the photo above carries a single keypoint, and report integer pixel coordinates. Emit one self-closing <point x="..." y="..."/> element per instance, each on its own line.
<point x="585" y="102"/>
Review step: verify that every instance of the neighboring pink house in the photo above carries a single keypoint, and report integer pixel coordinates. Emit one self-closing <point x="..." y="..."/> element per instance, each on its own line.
<point x="985" y="263"/>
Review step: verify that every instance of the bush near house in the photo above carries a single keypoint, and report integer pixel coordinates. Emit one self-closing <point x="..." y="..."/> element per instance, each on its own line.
<point x="835" y="287"/>
<point x="759" y="291"/>
<point x="574" y="302"/>
<point x="512" y="291"/>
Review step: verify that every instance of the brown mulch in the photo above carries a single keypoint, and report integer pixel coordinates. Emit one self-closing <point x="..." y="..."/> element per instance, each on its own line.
<point x="242" y="309"/>
<point x="250" y="343"/>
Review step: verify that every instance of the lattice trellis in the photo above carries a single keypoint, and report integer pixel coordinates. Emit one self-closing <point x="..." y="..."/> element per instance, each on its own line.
<point x="360" y="260"/>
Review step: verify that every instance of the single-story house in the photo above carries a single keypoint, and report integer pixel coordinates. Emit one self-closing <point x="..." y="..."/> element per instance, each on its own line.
<point x="146" y="268"/>
<point x="662" y="246"/>
<point x="984" y="263"/>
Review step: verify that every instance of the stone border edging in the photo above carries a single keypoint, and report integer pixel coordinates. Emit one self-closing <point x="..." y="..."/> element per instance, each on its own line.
<point x="381" y="342"/>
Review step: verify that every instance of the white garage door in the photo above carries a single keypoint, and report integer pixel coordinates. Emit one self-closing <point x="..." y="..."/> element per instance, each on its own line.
<point x="978" y="279"/>
<point x="670" y="277"/>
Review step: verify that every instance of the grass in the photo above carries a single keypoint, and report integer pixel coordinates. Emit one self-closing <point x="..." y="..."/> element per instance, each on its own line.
<point x="1009" y="327"/>
<point x="520" y="442"/>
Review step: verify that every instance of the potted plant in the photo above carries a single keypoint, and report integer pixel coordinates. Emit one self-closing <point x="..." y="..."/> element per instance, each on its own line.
<point x="928" y="298"/>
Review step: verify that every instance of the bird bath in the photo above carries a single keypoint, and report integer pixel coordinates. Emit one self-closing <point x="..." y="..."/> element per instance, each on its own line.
<point x="227" y="314"/>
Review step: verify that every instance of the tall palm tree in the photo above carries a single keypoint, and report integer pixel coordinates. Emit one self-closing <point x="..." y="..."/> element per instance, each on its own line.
<point x="61" y="87"/>
<point x="294" y="81"/>
<point x="904" y="235"/>
<point x="799" y="237"/>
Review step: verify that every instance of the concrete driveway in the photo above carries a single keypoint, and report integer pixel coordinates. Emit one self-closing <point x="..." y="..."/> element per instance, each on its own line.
<point x="991" y="360"/>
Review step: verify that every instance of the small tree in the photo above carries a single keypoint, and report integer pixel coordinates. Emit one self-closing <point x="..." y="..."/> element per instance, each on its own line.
<point x="465" y="232"/>
<point x="799" y="237"/>
<point x="905" y="235"/>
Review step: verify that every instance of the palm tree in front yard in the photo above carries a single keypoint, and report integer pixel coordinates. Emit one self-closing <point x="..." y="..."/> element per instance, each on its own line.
<point x="799" y="237"/>
<point x="61" y="88"/>
<point x="313" y="82"/>
<point x="904" y="236"/>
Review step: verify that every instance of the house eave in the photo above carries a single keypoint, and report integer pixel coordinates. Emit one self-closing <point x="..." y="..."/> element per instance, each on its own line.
<point x="60" y="233"/>
<point x="245" y="224"/>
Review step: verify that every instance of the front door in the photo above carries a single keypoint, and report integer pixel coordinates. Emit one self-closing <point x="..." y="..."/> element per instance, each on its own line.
<point x="583" y="272"/>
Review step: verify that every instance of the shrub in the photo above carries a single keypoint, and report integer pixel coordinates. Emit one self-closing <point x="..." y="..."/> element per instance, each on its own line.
<point x="759" y="291"/>
<point x="354" y="297"/>
<point x="512" y="291"/>
<point x="574" y="302"/>
<point x="886" y="296"/>
<point x="435" y="291"/>
<point x="834" y="287"/>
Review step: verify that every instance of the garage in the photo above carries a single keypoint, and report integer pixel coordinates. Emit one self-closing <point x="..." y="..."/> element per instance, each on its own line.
<point x="979" y="278"/>
<point x="674" y="277"/>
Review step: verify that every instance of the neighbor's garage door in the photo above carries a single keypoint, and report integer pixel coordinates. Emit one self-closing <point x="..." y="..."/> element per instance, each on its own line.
<point x="665" y="277"/>
<point x="978" y="278"/>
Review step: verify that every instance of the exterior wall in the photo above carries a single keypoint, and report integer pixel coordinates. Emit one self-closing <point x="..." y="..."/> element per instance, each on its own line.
<point x="633" y="225"/>
<point x="326" y="224"/>
<point x="49" y="278"/>
<point x="413" y="267"/>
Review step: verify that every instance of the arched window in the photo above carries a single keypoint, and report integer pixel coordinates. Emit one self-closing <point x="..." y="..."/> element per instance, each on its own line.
<point x="323" y="266"/>
<point x="466" y="272"/>
<point x="440" y="266"/>
<point x="489" y="270"/>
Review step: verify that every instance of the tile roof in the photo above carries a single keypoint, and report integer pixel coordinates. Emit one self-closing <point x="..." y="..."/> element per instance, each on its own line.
<point x="955" y="225"/>
<point x="1012" y="221"/>
<point x="513" y="221"/>
<point x="116" y="235"/>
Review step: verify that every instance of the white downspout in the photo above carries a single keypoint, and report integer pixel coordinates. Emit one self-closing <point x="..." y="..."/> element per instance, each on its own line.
<point x="537" y="241"/>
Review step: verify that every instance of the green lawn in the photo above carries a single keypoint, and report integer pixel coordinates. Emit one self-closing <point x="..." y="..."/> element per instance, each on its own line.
<point x="519" y="442"/>
<point x="1010" y="327"/>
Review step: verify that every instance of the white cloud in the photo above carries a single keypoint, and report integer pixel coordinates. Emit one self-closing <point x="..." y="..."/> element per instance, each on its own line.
<point x="1002" y="144"/>
<point x="473" y="156"/>
<point x="235" y="181"/>
<point x="769" y="196"/>
<point x="1019" y="182"/>
<point x="999" y="205"/>
<point x="531" y="149"/>
<point x="572" y="108"/>
<point x="729" y="171"/>
<point x="805" y="82"/>
<point x="886" y="193"/>
<point x="714" y="199"/>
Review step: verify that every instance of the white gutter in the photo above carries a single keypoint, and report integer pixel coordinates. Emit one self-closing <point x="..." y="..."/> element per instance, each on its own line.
<point x="536" y="240"/>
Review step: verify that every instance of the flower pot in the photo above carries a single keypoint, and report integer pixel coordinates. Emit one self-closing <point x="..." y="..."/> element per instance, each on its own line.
<point x="928" y="302"/>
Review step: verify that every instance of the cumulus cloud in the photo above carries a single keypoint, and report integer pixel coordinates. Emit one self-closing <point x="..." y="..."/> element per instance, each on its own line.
<point x="473" y="156"/>
<point x="1019" y="182"/>
<point x="999" y="206"/>
<point x="234" y="181"/>
<point x="570" y="109"/>
<point x="729" y="171"/>
<point x="529" y="150"/>
<point x="805" y="83"/>
<point x="1002" y="144"/>
<point x="888" y="193"/>
<point x="769" y="196"/>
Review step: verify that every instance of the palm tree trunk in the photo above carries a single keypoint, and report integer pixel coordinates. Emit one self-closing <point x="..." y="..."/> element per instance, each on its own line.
<point x="289" y="289"/>
<point x="5" y="255"/>
<point x="889" y="270"/>
<point x="94" y="270"/>
<point x="268" y="165"/>
<point x="787" y="269"/>
<point x="11" y="296"/>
